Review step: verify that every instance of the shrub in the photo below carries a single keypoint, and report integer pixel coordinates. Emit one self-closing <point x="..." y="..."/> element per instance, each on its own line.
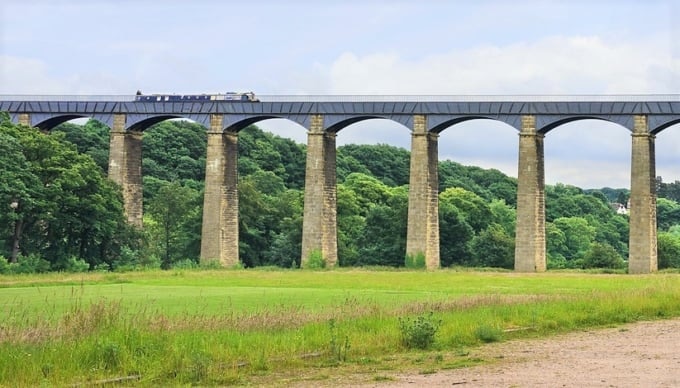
<point x="74" y="264"/>
<point x="488" y="334"/>
<point x="315" y="260"/>
<point x="668" y="248"/>
<point x="4" y="265"/>
<point x="603" y="256"/>
<point x="30" y="264"/>
<point x="419" y="333"/>
<point x="185" y="264"/>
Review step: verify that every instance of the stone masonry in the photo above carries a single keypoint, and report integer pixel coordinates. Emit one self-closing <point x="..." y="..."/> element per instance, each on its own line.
<point x="219" y="235"/>
<point x="319" y="226"/>
<point x="530" y="232"/>
<point x="25" y="119"/>
<point x="125" y="167"/>
<point x="642" y="257"/>
<point x="423" y="198"/>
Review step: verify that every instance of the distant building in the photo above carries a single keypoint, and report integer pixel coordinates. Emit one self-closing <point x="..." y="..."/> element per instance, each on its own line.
<point x="620" y="208"/>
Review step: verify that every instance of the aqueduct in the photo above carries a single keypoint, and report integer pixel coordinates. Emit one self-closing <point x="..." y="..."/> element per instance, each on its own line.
<point x="324" y="116"/>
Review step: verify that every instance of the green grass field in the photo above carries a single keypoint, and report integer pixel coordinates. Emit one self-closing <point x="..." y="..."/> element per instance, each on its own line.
<point x="248" y="326"/>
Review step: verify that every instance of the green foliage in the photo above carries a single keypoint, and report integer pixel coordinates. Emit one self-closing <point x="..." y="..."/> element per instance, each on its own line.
<point x="337" y="347"/>
<point x="185" y="264"/>
<point x="71" y="264"/>
<point x="175" y="231"/>
<point x="668" y="250"/>
<point x="4" y="264"/>
<point x="667" y="213"/>
<point x="603" y="256"/>
<point x="415" y="261"/>
<point x="315" y="260"/>
<point x="32" y="263"/>
<point x="419" y="332"/>
<point x="455" y="235"/>
<point x="174" y="151"/>
<point x="488" y="334"/>
<point x="384" y="162"/>
<point x="493" y="247"/>
<point x="136" y="327"/>
<point x="91" y="139"/>
<point x="472" y="207"/>
<point x="66" y="207"/>
<point x="60" y="193"/>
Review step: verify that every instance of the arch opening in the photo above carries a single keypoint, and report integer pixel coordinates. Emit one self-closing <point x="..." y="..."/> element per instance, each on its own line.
<point x="478" y="192"/>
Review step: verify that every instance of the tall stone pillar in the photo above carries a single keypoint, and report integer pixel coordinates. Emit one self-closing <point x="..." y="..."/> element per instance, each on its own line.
<point x="125" y="167"/>
<point x="319" y="225"/>
<point x="530" y="253"/>
<point x="24" y="119"/>
<point x="642" y="256"/>
<point x="422" y="236"/>
<point x="219" y="235"/>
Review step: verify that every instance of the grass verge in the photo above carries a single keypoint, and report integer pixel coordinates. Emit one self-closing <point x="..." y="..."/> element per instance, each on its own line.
<point x="242" y="326"/>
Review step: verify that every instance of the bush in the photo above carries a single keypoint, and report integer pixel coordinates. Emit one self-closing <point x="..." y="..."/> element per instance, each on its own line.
<point x="74" y="264"/>
<point x="419" y="333"/>
<point x="4" y="265"/>
<point x="185" y="264"/>
<point x="602" y="255"/>
<point x="29" y="264"/>
<point x="668" y="248"/>
<point x="315" y="260"/>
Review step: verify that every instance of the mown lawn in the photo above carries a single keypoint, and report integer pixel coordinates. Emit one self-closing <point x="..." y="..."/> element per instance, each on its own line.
<point x="240" y="326"/>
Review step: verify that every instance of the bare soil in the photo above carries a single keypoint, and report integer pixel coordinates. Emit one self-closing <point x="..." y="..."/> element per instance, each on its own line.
<point x="644" y="354"/>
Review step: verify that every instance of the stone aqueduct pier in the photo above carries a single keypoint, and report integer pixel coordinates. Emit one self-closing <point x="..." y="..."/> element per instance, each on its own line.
<point x="324" y="116"/>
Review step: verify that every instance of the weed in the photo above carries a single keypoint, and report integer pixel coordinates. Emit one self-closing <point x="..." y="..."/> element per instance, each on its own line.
<point x="488" y="334"/>
<point x="419" y="333"/>
<point x="337" y="350"/>
<point x="382" y="378"/>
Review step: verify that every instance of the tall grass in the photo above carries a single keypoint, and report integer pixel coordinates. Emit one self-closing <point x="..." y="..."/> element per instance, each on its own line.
<point x="228" y="327"/>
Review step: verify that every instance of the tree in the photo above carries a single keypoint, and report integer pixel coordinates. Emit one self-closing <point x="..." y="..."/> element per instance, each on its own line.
<point x="383" y="241"/>
<point x="603" y="256"/>
<point x="19" y="188"/>
<point x="667" y="213"/>
<point x="578" y="236"/>
<point x="92" y="139"/>
<point x="174" y="211"/>
<point x="74" y="211"/>
<point x="455" y="235"/>
<point x="493" y="247"/>
<point x="387" y="163"/>
<point x="174" y="151"/>
<point x="473" y="207"/>
<point x="668" y="249"/>
<point x="369" y="191"/>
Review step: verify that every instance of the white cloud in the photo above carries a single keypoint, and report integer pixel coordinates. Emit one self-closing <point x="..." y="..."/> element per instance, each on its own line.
<point x="552" y="65"/>
<point x="20" y="75"/>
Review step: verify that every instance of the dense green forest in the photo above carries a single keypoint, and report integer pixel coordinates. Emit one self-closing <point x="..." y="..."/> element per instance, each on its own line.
<point x="62" y="213"/>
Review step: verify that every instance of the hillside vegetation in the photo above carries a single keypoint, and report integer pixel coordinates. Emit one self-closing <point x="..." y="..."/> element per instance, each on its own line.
<point x="61" y="212"/>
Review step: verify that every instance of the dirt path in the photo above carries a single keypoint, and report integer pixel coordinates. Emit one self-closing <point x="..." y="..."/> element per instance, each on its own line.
<point x="645" y="354"/>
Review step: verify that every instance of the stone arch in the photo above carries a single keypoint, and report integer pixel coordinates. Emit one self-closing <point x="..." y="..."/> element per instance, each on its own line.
<point x="546" y="123"/>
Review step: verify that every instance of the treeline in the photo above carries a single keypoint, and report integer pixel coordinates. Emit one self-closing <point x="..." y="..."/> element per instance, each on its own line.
<point x="70" y="217"/>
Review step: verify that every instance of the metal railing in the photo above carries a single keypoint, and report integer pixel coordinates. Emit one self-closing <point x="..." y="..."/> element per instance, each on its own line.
<point x="379" y="98"/>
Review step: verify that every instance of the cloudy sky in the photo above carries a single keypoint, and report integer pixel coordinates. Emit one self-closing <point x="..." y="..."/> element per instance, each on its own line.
<point x="399" y="47"/>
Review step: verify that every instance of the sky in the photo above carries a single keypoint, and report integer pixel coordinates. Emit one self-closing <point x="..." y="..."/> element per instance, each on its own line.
<point x="369" y="47"/>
